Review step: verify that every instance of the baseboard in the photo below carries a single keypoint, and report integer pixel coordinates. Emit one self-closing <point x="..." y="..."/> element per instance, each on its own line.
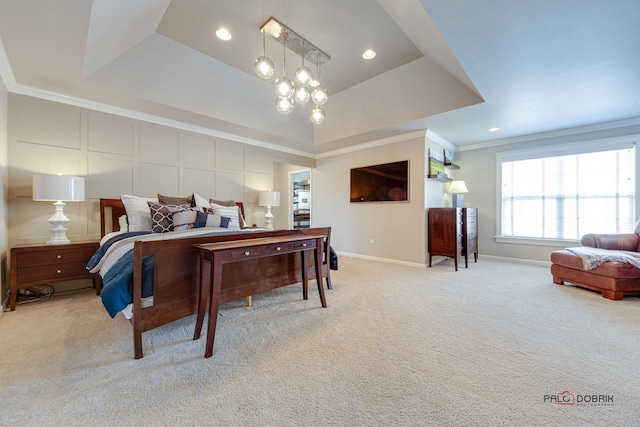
<point x="439" y="259"/>
<point x="385" y="260"/>
<point x="517" y="260"/>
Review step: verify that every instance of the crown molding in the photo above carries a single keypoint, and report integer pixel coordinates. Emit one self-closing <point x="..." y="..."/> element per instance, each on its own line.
<point x="555" y="134"/>
<point x="6" y="73"/>
<point x="150" y="118"/>
<point x="440" y="140"/>
<point x="373" y="144"/>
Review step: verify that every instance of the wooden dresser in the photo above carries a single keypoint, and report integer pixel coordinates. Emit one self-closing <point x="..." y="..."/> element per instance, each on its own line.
<point x="453" y="232"/>
<point x="33" y="265"/>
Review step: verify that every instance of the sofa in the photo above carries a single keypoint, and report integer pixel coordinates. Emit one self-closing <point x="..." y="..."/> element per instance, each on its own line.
<point x="614" y="279"/>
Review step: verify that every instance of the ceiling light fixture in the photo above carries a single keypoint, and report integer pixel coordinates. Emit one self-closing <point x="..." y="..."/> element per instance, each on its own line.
<point x="369" y="54"/>
<point x="493" y="129"/>
<point x="223" y="34"/>
<point x="304" y="86"/>
<point x="264" y="66"/>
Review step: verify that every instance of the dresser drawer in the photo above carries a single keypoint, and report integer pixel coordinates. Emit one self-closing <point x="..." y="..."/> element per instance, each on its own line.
<point x="267" y="250"/>
<point x="53" y="272"/>
<point x="55" y="256"/>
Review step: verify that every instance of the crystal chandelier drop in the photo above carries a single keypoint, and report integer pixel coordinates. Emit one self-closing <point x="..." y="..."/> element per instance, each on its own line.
<point x="304" y="86"/>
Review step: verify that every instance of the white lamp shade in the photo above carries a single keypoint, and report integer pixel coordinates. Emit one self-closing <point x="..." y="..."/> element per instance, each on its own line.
<point x="269" y="198"/>
<point x="458" y="187"/>
<point x="55" y="188"/>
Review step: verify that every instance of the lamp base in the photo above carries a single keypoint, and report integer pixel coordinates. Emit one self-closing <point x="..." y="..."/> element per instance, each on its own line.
<point x="268" y="219"/>
<point x="58" y="220"/>
<point x="458" y="200"/>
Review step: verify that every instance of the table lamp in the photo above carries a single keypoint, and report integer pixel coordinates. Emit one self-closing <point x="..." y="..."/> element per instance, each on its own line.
<point x="269" y="199"/>
<point x="458" y="188"/>
<point x="58" y="189"/>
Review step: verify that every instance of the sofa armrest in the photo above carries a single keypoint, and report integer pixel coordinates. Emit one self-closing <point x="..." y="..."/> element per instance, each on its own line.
<point x="621" y="242"/>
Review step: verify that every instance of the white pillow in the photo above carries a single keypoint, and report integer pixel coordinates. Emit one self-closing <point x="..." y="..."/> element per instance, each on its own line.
<point x="201" y="202"/>
<point x="229" y="212"/>
<point x="122" y="222"/>
<point x="228" y="204"/>
<point x="138" y="212"/>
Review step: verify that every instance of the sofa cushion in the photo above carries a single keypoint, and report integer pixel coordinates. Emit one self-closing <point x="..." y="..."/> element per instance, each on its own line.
<point x="621" y="241"/>
<point x="609" y="269"/>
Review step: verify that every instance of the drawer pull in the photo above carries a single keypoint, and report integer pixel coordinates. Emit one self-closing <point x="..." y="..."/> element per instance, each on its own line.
<point x="59" y="256"/>
<point x="304" y="245"/>
<point x="278" y="248"/>
<point x="247" y="253"/>
<point x="59" y="271"/>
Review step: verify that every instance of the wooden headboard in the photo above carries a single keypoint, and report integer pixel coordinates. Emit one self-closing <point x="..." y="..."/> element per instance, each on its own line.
<point x="114" y="208"/>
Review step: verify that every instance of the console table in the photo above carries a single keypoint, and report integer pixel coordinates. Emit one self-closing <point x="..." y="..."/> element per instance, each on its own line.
<point x="214" y="255"/>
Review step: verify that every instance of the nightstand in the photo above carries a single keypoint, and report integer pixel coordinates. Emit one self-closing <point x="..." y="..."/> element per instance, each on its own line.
<point x="33" y="265"/>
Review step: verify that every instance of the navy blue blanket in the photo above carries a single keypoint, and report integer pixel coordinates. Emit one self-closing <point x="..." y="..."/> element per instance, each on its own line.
<point x="117" y="290"/>
<point x="117" y="284"/>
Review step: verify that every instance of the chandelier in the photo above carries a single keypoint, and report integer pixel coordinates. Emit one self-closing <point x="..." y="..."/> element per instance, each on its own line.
<point x="304" y="87"/>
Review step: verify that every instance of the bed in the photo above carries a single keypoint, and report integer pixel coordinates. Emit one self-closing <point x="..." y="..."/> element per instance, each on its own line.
<point x="176" y="271"/>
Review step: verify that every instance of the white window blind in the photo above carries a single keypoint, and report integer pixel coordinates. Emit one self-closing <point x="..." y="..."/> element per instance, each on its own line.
<point x="567" y="196"/>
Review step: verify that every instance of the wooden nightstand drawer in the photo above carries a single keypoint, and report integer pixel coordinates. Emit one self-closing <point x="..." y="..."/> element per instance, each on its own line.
<point x="58" y="255"/>
<point x="33" y="265"/>
<point x="52" y="272"/>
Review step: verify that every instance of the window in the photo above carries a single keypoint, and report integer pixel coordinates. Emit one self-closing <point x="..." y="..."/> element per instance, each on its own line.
<point x="567" y="194"/>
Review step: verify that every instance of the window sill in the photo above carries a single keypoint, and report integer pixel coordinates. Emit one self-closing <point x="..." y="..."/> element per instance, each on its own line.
<point x="537" y="241"/>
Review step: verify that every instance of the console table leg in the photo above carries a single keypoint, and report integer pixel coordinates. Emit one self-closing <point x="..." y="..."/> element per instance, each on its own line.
<point x="214" y="302"/>
<point x="317" y="252"/>
<point x="305" y="283"/>
<point x="202" y="299"/>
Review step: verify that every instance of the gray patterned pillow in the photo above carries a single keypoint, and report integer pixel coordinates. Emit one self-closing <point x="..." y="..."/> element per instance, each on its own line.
<point x="194" y="218"/>
<point x="161" y="216"/>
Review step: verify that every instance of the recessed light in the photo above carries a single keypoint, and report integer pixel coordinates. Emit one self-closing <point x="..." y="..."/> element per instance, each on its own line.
<point x="494" y="129"/>
<point x="369" y="54"/>
<point x="223" y="34"/>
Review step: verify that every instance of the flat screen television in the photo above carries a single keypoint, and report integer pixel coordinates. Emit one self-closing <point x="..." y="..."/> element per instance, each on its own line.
<point x="388" y="182"/>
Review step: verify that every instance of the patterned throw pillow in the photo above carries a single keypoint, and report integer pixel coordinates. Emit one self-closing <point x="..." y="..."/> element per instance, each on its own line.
<point x="193" y="218"/>
<point x="161" y="216"/>
<point x="229" y="203"/>
<point x="230" y="212"/>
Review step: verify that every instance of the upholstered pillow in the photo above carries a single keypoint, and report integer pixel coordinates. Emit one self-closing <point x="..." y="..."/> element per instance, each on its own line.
<point x="227" y="203"/>
<point x="200" y="201"/>
<point x="138" y="214"/>
<point x="230" y="212"/>
<point x="230" y="203"/>
<point x="161" y="216"/>
<point x="174" y="200"/>
<point x="193" y="218"/>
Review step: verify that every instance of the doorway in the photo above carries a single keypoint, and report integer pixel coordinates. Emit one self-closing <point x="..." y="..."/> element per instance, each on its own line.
<point x="301" y="200"/>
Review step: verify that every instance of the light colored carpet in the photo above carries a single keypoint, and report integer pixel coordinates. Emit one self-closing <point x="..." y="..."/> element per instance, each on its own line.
<point x="397" y="346"/>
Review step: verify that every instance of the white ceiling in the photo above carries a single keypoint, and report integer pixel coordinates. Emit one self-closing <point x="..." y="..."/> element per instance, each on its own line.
<point x="456" y="67"/>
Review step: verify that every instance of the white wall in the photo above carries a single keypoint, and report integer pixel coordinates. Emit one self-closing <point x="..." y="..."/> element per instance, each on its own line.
<point x="4" y="240"/>
<point x="119" y="155"/>
<point x="398" y="228"/>
<point x="478" y="170"/>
